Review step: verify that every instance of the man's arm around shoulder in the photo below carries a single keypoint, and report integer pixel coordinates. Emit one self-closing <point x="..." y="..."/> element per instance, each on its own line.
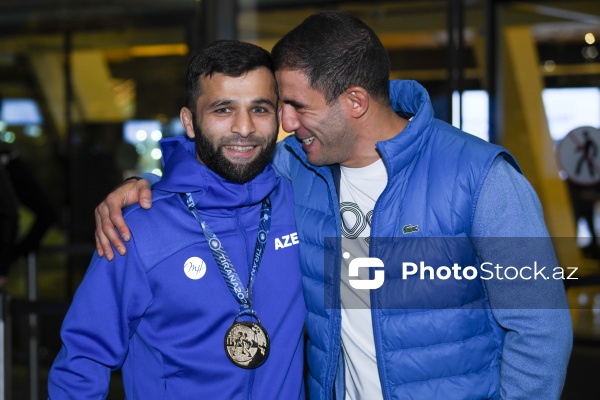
<point x="109" y="214"/>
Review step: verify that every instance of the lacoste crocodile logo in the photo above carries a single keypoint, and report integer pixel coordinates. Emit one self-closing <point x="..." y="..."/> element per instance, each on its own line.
<point x="410" y="228"/>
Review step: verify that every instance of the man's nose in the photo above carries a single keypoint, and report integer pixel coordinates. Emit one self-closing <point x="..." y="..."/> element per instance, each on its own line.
<point x="289" y="118"/>
<point x="243" y="124"/>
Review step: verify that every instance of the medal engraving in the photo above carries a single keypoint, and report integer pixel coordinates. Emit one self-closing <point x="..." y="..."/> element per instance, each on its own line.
<point x="247" y="344"/>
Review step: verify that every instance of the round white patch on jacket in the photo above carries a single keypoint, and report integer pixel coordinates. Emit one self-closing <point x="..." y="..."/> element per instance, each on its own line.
<point x="194" y="268"/>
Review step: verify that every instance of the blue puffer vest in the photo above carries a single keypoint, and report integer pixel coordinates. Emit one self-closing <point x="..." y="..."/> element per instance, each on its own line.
<point x="434" y="339"/>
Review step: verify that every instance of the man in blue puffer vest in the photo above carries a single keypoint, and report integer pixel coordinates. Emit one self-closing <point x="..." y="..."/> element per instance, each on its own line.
<point x="372" y="169"/>
<point x="175" y="314"/>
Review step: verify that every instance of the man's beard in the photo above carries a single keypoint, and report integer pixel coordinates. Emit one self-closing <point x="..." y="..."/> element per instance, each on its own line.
<point x="214" y="158"/>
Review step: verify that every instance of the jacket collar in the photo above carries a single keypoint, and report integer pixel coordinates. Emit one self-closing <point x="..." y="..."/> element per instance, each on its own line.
<point x="183" y="173"/>
<point x="408" y="99"/>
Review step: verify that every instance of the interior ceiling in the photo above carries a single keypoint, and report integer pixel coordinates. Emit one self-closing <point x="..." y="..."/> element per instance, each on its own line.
<point x="32" y="15"/>
<point x="400" y="23"/>
<point x="125" y="29"/>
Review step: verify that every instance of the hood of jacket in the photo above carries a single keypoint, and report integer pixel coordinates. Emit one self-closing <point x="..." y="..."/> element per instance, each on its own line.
<point x="183" y="173"/>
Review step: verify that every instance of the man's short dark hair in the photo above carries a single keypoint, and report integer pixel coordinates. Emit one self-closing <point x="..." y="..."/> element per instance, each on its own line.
<point x="336" y="51"/>
<point x="228" y="57"/>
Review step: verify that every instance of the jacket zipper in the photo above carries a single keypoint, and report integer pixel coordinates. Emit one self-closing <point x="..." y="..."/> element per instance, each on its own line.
<point x="374" y="319"/>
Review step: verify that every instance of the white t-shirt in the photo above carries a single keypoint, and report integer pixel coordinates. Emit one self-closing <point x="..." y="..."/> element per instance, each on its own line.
<point x="359" y="190"/>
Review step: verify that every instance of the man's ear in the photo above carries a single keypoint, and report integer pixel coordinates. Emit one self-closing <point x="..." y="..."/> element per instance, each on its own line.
<point x="186" y="117"/>
<point x="358" y="98"/>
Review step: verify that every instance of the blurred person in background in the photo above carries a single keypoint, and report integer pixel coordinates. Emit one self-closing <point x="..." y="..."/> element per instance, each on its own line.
<point x="20" y="187"/>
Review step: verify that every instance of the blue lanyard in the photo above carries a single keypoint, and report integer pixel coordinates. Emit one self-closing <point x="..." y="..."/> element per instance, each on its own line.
<point x="243" y="296"/>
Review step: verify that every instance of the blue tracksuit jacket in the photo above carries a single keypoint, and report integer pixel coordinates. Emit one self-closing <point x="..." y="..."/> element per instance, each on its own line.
<point x="143" y="314"/>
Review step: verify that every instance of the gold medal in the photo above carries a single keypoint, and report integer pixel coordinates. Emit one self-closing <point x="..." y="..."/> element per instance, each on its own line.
<point x="247" y="344"/>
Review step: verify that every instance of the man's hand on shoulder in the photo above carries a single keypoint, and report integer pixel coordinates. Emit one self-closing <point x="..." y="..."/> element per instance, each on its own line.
<point x="109" y="216"/>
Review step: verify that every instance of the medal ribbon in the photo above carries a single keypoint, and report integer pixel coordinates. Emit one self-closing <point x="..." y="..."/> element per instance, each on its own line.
<point x="243" y="296"/>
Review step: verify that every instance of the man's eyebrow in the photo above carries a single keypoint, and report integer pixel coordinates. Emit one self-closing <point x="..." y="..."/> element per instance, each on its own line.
<point x="263" y="101"/>
<point x="221" y="103"/>
<point x="225" y="103"/>
<point x="293" y="103"/>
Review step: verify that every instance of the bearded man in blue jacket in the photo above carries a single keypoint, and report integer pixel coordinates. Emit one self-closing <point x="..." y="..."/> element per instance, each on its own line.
<point x="204" y="305"/>
<point x="371" y="169"/>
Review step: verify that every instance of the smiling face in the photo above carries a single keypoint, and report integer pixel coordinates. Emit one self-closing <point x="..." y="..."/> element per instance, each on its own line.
<point x="325" y="133"/>
<point x="235" y="124"/>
